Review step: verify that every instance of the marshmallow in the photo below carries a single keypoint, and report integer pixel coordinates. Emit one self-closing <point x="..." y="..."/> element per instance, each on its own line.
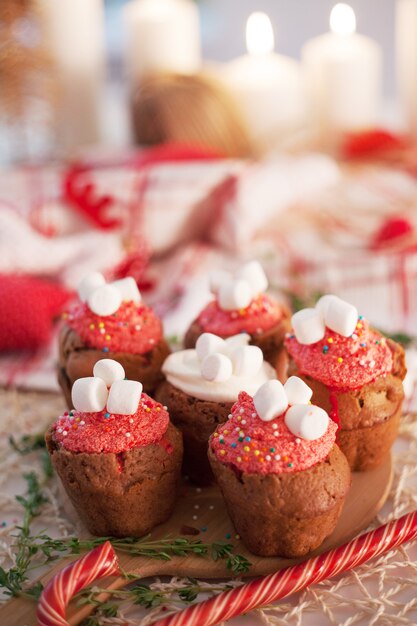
<point x="270" y="400"/>
<point x="323" y="303"/>
<point x="109" y="371"/>
<point x="235" y="294"/>
<point x="297" y="391"/>
<point x="247" y="360"/>
<point x="105" y="300"/>
<point x="341" y="317"/>
<point x="308" y="326"/>
<point x="254" y="274"/>
<point x="128" y="289"/>
<point x="207" y="343"/>
<point x="217" y="278"/>
<point x="89" y="395"/>
<point x="307" y="421"/>
<point x="216" y="368"/>
<point x="124" y="396"/>
<point x="90" y="283"/>
<point x="236" y="341"/>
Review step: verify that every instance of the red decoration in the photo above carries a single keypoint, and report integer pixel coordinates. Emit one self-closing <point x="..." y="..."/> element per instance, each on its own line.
<point x="100" y="562"/>
<point x="27" y="308"/>
<point x="372" y="143"/>
<point x="81" y="193"/>
<point x="392" y="231"/>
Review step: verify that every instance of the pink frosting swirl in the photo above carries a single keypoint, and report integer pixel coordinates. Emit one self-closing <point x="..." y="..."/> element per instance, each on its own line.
<point x="134" y="328"/>
<point x="106" y="432"/>
<point x="343" y="362"/>
<point x="262" y="314"/>
<point x="257" y="447"/>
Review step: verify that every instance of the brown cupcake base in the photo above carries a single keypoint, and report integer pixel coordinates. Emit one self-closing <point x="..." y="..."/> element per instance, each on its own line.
<point x="366" y="448"/>
<point x="271" y="342"/>
<point x="286" y="515"/>
<point x="124" y="494"/>
<point x="197" y="420"/>
<point x="76" y="360"/>
<point x="369" y="417"/>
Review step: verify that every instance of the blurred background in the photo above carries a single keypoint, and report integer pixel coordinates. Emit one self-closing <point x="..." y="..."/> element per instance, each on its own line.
<point x="164" y="138"/>
<point x="66" y="69"/>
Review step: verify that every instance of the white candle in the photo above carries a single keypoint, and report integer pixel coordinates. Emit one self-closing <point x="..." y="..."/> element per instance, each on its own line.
<point x="406" y="40"/>
<point x="343" y="75"/>
<point x="161" y="35"/>
<point x="75" y="29"/>
<point x="267" y="86"/>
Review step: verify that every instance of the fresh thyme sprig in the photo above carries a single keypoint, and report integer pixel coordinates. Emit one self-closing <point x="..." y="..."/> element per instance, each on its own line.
<point x="13" y="579"/>
<point x="145" y="596"/>
<point x="163" y="549"/>
<point x="33" y="443"/>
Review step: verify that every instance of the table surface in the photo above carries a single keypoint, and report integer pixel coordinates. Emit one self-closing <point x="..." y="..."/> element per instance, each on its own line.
<point x="380" y="592"/>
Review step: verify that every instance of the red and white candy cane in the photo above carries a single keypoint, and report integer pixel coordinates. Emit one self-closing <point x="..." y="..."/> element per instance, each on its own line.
<point x="274" y="587"/>
<point x="100" y="562"/>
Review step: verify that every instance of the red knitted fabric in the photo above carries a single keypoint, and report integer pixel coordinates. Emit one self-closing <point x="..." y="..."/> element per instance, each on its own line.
<point x="28" y="307"/>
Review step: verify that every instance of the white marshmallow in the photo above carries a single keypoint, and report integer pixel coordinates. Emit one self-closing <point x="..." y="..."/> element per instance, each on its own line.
<point x="89" y="394"/>
<point x="207" y="343"/>
<point x="307" y="421"/>
<point x="270" y="400"/>
<point x="105" y="300"/>
<point x="322" y="303"/>
<point x="216" y="368"/>
<point x="124" y="396"/>
<point x="298" y="392"/>
<point x="128" y="289"/>
<point x="90" y="283"/>
<point x="247" y="360"/>
<point x="254" y="273"/>
<point x="235" y="294"/>
<point x="341" y="317"/>
<point x="109" y="371"/>
<point x="236" y="341"/>
<point x="308" y="326"/>
<point x="217" y="278"/>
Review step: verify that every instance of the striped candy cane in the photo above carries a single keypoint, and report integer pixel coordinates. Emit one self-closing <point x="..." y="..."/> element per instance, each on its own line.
<point x="276" y="586"/>
<point x="100" y="562"/>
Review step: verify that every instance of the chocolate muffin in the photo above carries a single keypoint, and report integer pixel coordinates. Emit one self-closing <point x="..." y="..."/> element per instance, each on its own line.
<point x="284" y="490"/>
<point x="357" y="378"/>
<point x="131" y="334"/>
<point x="200" y="395"/>
<point x="240" y="305"/>
<point x="121" y="471"/>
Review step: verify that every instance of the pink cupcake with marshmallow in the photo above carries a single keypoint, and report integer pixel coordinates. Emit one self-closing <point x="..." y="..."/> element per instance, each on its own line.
<point x="282" y="475"/>
<point x="356" y="376"/>
<point x="117" y="454"/>
<point x="241" y="305"/>
<point x="111" y="320"/>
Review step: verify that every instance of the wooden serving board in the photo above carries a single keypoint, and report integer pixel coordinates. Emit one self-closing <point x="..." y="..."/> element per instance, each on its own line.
<point x="203" y="510"/>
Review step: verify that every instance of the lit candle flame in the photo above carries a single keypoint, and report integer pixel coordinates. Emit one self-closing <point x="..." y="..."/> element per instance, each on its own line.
<point x="342" y="19"/>
<point x="259" y="34"/>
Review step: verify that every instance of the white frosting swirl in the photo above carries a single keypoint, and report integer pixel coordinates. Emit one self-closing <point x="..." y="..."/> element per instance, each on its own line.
<point x="183" y="370"/>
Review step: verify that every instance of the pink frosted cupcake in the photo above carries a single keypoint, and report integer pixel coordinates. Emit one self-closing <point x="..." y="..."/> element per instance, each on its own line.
<point x="283" y="477"/>
<point x="241" y="305"/>
<point x="117" y="454"/>
<point x="356" y="375"/>
<point x="111" y="320"/>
